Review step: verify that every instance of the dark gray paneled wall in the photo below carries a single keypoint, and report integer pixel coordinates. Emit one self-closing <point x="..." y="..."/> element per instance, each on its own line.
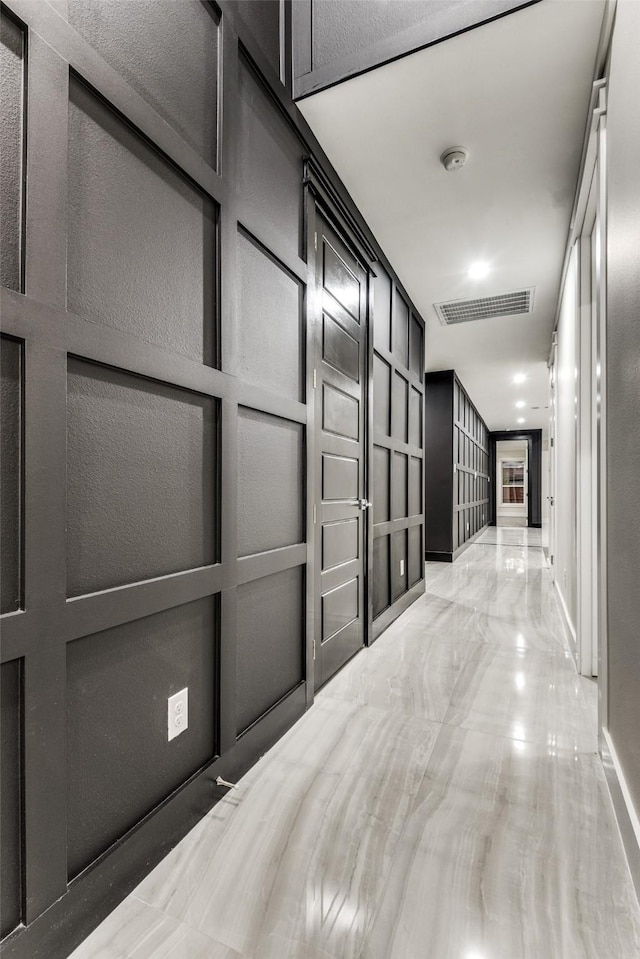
<point x="457" y="467"/>
<point x="397" y="463"/>
<point x="155" y="437"/>
<point x="11" y="168"/>
<point x="337" y="40"/>
<point x="623" y="395"/>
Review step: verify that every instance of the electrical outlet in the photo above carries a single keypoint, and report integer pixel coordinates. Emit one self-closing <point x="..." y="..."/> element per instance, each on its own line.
<point x="177" y="713"/>
<point x="402" y="567"/>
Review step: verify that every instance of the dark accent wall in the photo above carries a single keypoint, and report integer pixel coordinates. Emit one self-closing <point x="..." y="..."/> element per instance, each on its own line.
<point x="158" y="433"/>
<point x="337" y="40"/>
<point x="623" y="402"/>
<point x="533" y="439"/>
<point x="457" y="468"/>
<point x="398" y="455"/>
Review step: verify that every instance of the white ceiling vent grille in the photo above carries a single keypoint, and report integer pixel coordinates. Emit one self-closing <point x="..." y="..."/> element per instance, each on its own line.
<point x="466" y="311"/>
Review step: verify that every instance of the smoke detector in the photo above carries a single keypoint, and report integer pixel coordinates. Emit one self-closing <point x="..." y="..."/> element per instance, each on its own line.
<point x="454" y="158"/>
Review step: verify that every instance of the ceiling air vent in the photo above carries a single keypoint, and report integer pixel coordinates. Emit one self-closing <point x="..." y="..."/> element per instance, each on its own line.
<point x="505" y="304"/>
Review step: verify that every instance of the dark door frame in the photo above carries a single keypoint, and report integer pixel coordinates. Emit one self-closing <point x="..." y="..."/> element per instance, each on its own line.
<point x="533" y="439"/>
<point x="320" y="196"/>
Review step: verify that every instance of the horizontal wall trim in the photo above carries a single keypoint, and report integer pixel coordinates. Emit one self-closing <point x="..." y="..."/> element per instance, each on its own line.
<point x="626" y="814"/>
<point x="99" y="611"/>
<point x="254" y="567"/>
<point x="395" y="525"/>
<point x="391" y="613"/>
<point x="437" y="556"/>
<point x="256" y="398"/>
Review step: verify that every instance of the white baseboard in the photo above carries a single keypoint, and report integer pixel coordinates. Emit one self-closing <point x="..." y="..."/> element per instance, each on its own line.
<point x="566" y="619"/>
<point x="626" y="813"/>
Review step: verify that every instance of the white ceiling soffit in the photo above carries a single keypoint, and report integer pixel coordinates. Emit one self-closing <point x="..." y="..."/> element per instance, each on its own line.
<point x="515" y="93"/>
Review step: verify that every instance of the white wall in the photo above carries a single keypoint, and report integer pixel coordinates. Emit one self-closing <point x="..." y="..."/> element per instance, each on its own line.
<point x="565" y="446"/>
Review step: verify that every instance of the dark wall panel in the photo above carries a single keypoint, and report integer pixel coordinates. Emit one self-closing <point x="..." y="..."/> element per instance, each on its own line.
<point x="399" y="409"/>
<point x="416" y="348"/>
<point x="120" y="764"/>
<point x="270" y="482"/>
<point x="415" y="486"/>
<point x="168" y="52"/>
<point x="141" y="479"/>
<point x="416" y="555"/>
<point x="270" y="642"/>
<point x="381" y="485"/>
<point x="381" y="396"/>
<point x="11" y="113"/>
<point x="401" y="333"/>
<point x="10" y="800"/>
<point x="269" y="333"/>
<point x="399" y="576"/>
<point x="262" y="17"/>
<point x="10" y="473"/>
<point x="415" y="417"/>
<point x="381" y="570"/>
<point x="141" y="239"/>
<point x="339" y="477"/>
<point x="382" y="309"/>
<point x="267" y="144"/>
<point x="399" y="505"/>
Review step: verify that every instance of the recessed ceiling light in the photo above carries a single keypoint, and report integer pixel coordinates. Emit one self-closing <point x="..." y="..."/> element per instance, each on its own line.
<point x="521" y="419"/>
<point x="478" y="270"/>
<point x="519" y="378"/>
<point x="520" y="404"/>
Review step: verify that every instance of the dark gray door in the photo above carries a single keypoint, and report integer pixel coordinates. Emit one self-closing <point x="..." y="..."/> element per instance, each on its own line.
<point x="341" y="505"/>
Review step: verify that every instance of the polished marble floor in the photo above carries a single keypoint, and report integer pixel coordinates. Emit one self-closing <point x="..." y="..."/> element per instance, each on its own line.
<point x="442" y="799"/>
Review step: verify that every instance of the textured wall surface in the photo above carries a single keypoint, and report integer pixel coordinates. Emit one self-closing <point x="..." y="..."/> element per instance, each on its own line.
<point x="623" y="394"/>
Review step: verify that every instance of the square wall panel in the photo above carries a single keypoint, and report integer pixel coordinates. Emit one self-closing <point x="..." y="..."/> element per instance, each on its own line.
<point x="381" y="571"/>
<point x="269" y="334"/>
<point x="399" y="505"/>
<point x="141" y="238"/>
<point x="120" y="763"/>
<point x="268" y="145"/>
<point x="399" y="409"/>
<point x="381" y="485"/>
<point x="381" y="396"/>
<point x="381" y="309"/>
<point x="168" y="53"/>
<point x="271" y="639"/>
<point x="11" y="832"/>
<point x="415" y="417"/>
<point x="416" y="555"/>
<point x="11" y="134"/>
<point x="399" y="571"/>
<point x="270" y="482"/>
<point x="416" y="348"/>
<point x="415" y="486"/>
<point x="141" y="479"/>
<point x="10" y="473"/>
<point x="401" y="331"/>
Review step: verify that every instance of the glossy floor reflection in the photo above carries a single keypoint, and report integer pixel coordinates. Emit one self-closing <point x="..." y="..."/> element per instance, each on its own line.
<point x="442" y="799"/>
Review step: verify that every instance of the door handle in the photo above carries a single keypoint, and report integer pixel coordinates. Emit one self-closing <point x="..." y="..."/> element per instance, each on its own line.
<point x="364" y="503"/>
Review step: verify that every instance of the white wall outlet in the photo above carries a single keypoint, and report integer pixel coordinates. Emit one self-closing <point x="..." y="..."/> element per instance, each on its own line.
<point x="402" y="567"/>
<point x="177" y="713"/>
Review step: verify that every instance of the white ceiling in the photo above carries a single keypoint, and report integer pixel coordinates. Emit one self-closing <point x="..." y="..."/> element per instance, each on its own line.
<point x="515" y="92"/>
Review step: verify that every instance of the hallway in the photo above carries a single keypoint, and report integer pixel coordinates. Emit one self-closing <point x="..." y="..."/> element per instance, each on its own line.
<point x="442" y="799"/>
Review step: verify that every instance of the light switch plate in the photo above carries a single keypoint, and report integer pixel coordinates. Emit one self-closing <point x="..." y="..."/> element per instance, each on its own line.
<point x="402" y="567"/>
<point x="177" y="713"/>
